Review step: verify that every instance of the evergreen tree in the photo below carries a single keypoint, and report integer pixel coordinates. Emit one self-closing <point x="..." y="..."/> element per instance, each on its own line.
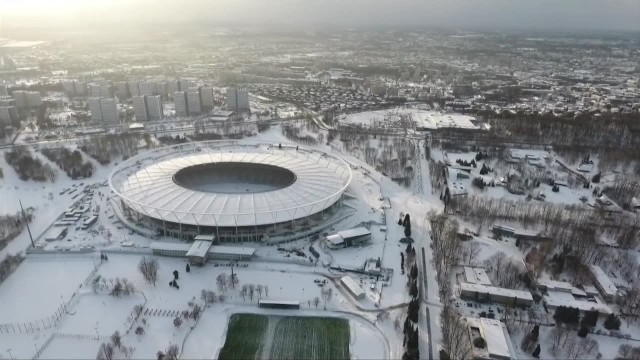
<point x="612" y="322"/>
<point x="583" y="331"/>
<point x="536" y="352"/>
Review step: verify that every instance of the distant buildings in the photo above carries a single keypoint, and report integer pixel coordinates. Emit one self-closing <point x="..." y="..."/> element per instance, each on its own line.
<point x="103" y="110"/>
<point x="27" y="99"/>
<point x="100" y="91"/>
<point x="179" y="85"/>
<point x="237" y="100"/>
<point x="180" y="103"/>
<point x="148" y="107"/>
<point x="206" y="98"/>
<point x="194" y="106"/>
<point x="187" y="103"/>
<point x="3" y="91"/>
<point x="8" y="115"/>
<point x="74" y="88"/>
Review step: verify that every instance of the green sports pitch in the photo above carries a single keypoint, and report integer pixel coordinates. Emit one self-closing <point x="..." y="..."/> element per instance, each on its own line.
<point x="251" y="336"/>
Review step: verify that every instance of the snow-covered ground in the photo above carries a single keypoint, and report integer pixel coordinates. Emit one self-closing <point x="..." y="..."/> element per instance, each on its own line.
<point x="373" y="199"/>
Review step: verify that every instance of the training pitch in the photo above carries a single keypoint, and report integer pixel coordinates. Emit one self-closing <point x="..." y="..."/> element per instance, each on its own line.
<point x="252" y="336"/>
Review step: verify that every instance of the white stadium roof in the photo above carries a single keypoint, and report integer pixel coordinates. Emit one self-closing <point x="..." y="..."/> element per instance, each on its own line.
<point x="147" y="184"/>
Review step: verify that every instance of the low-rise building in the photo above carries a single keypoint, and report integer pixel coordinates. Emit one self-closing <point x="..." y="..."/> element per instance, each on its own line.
<point x="496" y="339"/>
<point x="495" y="294"/>
<point x="352" y="287"/>
<point x="603" y="283"/>
<point x="348" y="238"/>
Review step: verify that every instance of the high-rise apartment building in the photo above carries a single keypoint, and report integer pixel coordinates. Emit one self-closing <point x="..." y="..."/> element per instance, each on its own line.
<point x="27" y="99"/>
<point x="194" y="106"/>
<point x="237" y="100"/>
<point x="181" y="104"/>
<point x="148" y="107"/>
<point x="8" y="115"/>
<point x="104" y="109"/>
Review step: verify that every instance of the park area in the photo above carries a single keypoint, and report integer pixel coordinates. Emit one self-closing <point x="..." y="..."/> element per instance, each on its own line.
<point x="251" y="336"/>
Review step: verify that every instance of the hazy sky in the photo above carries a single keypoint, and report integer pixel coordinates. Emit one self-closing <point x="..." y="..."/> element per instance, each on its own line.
<point x="498" y="14"/>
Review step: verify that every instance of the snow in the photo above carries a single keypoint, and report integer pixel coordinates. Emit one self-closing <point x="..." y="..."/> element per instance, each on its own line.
<point x="40" y="285"/>
<point x="371" y="200"/>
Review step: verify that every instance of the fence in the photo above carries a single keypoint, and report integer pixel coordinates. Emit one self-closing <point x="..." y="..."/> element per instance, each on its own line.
<point x="54" y="336"/>
<point x="33" y="326"/>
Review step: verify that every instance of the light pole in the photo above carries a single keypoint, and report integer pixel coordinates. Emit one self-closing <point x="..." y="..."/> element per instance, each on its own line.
<point x="10" y="356"/>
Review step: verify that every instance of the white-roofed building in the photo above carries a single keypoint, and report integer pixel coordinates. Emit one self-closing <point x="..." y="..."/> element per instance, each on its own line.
<point x="495" y="294"/>
<point x="554" y="299"/>
<point x="603" y="283"/>
<point x="476" y="276"/>
<point x="348" y="238"/>
<point x="496" y="338"/>
<point x="239" y="191"/>
<point x="56" y="233"/>
<point x="199" y="251"/>
<point x="352" y="287"/>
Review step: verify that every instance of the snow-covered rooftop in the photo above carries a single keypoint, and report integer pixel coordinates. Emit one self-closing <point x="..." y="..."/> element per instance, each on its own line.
<point x="556" y="299"/>
<point x="199" y="248"/>
<point x="476" y="276"/>
<point x="148" y="184"/>
<point x="493" y="333"/>
<point x="605" y="284"/>
<point x="497" y="291"/>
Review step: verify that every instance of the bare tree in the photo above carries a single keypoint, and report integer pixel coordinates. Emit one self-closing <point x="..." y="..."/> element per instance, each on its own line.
<point x="196" y="312"/>
<point x="177" y="321"/>
<point x="326" y="294"/>
<point x="558" y="338"/>
<point x="221" y="281"/>
<point x="116" y="339"/>
<point x="149" y="270"/>
<point x="455" y="335"/>
<point x="244" y="290"/>
<point x="252" y="289"/>
<point x="266" y="291"/>
<point x="259" y="289"/>
<point x="105" y="352"/>
<point x="172" y="352"/>
<point x="316" y="301"/>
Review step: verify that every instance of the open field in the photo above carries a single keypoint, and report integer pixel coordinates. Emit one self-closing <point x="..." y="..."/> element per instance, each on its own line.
<point x="244" y="337"/>
<point x="291" y="337"/>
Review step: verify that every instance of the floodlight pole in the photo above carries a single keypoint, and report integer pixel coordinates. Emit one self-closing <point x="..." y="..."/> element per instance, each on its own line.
<point x="24" y="217"/>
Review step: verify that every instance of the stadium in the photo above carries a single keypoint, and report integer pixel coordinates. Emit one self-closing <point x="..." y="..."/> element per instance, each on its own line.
<point x="235" y="190"/>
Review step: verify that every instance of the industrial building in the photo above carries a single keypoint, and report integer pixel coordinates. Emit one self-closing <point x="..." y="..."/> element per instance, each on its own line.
<point x="352" y="287"/>
<point x="348" y="238"/>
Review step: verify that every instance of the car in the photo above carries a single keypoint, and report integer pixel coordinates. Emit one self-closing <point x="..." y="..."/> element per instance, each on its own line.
<point x="316" y="281"/>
